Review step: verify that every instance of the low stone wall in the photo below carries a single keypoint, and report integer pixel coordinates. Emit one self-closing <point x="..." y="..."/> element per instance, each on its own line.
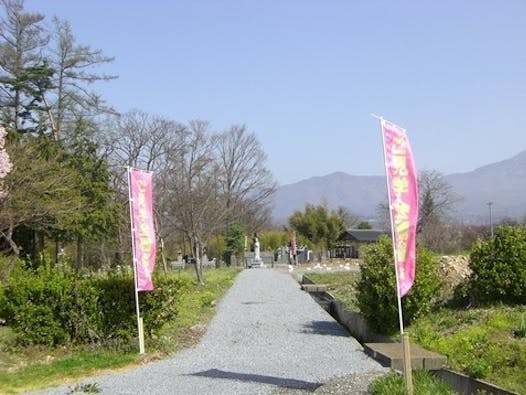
<point x="359" y="329"/>
<point x="356" y="324"/>
<point x="464" y="384"/>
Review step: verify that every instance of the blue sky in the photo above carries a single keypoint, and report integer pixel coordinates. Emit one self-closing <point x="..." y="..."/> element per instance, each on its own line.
<point x="306" y="75"/>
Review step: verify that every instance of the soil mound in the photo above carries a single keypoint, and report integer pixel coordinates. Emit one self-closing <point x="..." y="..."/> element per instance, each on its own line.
<point x="454" y="269"/>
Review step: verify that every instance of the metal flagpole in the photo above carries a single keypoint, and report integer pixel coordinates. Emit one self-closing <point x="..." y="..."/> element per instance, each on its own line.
<point x="404" y="338"/>
<point x="134" y="260"/>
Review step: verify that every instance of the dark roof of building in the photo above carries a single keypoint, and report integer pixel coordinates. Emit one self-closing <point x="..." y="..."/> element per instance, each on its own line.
<point x="366" y="235"/>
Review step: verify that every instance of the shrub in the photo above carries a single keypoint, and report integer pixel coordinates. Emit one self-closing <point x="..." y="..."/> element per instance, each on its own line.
<point x="499" y="267"/>
<point x="53" y="306"/>
<point x="162" y="304"/>
<point x="377" y="297"/>
<point x="50" y="306"/>
<point x="116" y="301"/>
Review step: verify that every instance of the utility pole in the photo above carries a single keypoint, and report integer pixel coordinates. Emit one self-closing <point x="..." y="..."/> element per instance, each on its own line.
<point x="490" y="218"/>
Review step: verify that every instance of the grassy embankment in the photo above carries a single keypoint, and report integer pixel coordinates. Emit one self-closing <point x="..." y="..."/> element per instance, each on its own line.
<point x="30" y="368"/>
<point x="487" y="343"/>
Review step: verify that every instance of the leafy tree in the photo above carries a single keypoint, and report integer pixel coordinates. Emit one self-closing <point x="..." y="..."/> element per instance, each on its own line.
<point x="22" y="39"/>
<point x="100" y="216"/>
<point x="74" y="66"/>
<point x="235" y="241"/>
<point x="364" y="225"/>
<point x="318" y="225"/>
<point x="216" y="246"/>
<point x="499" y="273"/>
<point x="44" y="86"/>
<point x="40" y="192"/>
<point x="271" y="240"/>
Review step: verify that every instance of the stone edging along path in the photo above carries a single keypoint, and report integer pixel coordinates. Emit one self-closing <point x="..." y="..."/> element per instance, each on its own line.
<point x="357" y="327"/>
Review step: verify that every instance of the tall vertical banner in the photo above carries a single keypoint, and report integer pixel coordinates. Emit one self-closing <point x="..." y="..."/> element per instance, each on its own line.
<point x="143" y="231"/>
<point x="292" y="245"/>
<point x="403" y="202"/>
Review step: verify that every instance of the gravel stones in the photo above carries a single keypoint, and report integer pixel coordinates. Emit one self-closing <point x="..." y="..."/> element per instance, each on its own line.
<point x="268" y="337"/>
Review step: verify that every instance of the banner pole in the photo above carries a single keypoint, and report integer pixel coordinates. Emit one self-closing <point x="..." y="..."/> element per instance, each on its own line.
<point x="403" y="337"/>
<point x="140" y="332"/>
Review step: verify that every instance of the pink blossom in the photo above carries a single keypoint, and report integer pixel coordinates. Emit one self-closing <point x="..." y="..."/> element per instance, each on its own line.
<point x="5" y="162"/>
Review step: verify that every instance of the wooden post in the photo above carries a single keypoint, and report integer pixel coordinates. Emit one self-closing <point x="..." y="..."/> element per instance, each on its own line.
<point x="141" y="336"/>
<point x="408" y="372"/>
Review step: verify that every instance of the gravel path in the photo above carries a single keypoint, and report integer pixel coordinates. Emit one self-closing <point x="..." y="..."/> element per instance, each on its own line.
<point x="268" y="337"/>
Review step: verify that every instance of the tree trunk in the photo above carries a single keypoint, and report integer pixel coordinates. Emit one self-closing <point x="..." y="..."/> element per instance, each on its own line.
<point x="40" y="242"/>
<point x="165" y="268"/>
<point x="16" y="252"/>
<point x="80" y="253"/>
<point x="57" y="250"/>
<point x="119" y="254"/>
<point x="104" y="256"/>
<point x="198" y="265"/>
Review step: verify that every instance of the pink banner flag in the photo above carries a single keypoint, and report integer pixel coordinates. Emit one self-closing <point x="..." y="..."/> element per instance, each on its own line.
<point x="403" y="202"/>
<point x="143" y="232"/>
<point x="292" y="243"/>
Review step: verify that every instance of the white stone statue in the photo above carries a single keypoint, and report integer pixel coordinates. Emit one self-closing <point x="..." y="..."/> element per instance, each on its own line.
<point x="256" y="248"/>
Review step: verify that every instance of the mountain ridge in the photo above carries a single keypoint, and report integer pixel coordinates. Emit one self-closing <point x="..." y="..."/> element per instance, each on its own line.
<point x="502" y="183"/>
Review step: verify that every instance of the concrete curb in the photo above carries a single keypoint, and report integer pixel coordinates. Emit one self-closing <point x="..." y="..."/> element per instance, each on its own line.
<point x="359" y="329"/>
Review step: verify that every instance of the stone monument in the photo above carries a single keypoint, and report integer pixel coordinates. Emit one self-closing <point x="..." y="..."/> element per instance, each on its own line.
<point x="258" y="262"/>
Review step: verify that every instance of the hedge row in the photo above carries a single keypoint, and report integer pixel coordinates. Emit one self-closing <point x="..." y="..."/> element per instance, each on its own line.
<point x="54" y="306"/>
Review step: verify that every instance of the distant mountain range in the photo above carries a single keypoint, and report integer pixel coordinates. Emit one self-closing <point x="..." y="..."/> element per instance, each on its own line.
<point x="502" y="183"/>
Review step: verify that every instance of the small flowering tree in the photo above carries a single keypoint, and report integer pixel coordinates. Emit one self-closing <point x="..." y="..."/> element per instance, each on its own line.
<point x="5" y="162"/>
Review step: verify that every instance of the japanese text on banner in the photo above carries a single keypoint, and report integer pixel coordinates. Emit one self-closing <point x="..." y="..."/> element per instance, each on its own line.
<point x="145" y="245"/>
<point x="403" y="204"/>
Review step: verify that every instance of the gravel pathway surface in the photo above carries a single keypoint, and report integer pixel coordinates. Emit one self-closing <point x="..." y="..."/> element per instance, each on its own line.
<point x="268" y="337"/>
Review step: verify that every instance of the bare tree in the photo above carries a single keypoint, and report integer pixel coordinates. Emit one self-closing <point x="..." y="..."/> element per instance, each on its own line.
<point x="139" y="140"/>
<point x="349" y="220"/>
<point x="436" y="198"/>
<point x="197" y="204"/>
<point x="245" y="182"/>
<point x="436" y="202"/>
<point x="203" y="181"/>
<point x="74" y="65"/>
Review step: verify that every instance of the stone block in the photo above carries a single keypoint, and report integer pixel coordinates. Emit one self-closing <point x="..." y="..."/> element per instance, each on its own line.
<point x="391" y="355"/>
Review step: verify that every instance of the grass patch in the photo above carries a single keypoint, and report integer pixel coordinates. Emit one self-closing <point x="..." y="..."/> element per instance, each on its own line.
<point x="485" y="343"/>
<point x="31" y="368"/>
<point x="340" y="285"/>
<point x="66" y="368"/>
<point x="423" y="384"/>
<point x="479" y="342"/>
<point x="197" y="307"/>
